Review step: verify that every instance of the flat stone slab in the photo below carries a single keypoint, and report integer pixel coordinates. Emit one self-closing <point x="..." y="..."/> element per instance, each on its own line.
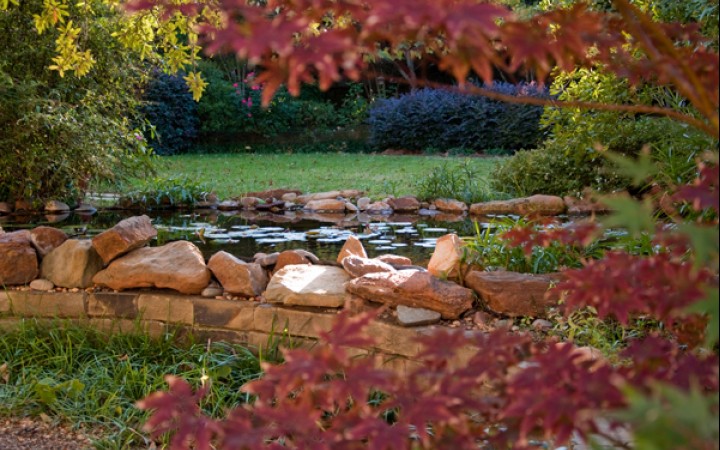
<point x="308" y="285"/>
<point x="415" y="317"/>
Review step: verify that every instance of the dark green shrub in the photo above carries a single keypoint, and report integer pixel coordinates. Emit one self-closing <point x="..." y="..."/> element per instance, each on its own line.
<point x="171" y="110"/>
<point x="443" y="119"/>
<point x="232" y="107"/>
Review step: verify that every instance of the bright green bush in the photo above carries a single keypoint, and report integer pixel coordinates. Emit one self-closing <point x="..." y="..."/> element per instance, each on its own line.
<point x="572" y="158"/>
<point x="59" y="133"/>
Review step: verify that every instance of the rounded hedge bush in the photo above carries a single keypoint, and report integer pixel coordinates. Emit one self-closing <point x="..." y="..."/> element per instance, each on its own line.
<point x="440" y="120"/>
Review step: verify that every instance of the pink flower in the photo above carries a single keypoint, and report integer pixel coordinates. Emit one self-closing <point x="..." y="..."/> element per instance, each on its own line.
<point x="244" y="101"/>
<point x="235" y="85"/>
<point x="255" y="87"/>
<point x="249" y="102"/>
<point x="251" y="74"/>
<point x="249" y="114"/>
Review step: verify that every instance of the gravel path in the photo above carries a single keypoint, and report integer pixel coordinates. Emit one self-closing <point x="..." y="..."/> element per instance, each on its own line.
<point x="35" y="434"/>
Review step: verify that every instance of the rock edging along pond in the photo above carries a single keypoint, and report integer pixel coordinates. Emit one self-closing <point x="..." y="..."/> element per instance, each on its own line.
<point x="291" y="294"/>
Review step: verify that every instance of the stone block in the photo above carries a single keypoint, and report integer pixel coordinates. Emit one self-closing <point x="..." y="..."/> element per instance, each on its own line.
<point x="166" y="308"/>
<point x="294" y="322"/>
<point x="395" y="340"/>
<point x="218" y="335"/>
<point x="4" y="303"/>
<point x="43" y="304"/>
<point x="152" y="328"/>
<point x="224" y="314"/>
<point x="107" y="304"/>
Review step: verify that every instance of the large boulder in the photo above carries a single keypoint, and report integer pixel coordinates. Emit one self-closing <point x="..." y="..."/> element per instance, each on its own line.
<point x="73" y="264"/>
<point x="178" y="265"/>
<point x="544" y="205"/>
<point x="46" y="239"/>
<point x="308" y="285"/>
<point x="352" y="247"/>
<point x="18" y="259"/>
<point x="413" y="288"/>
<point x="447" y="257"/>
<point x="357" y="266"/>
<point x="127" y="235"/>
<point x="236" y="276"/>
<point x="514" y="294"/>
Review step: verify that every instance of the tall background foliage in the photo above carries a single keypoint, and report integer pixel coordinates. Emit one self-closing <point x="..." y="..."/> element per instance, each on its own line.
<point x="56" y="132"/>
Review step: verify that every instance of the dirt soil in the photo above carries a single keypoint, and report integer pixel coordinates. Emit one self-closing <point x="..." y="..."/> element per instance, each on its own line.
<point x="37" y="434"/>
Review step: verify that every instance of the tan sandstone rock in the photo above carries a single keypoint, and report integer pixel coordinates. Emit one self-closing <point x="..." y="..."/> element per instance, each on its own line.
<point x="73" y="264"/>
<point x="308" y="285"/>
<point x="395" y="260"/>
<point x="236" y="276"/>
<point x="330" y="195"/>
<point x="357" y="266"/>
<point x="447" y="257"/>
<point x="415" y="289"/>
<point x="127" y="235"/>
<point x="544" y="205"/>
<point x="46" y="239"/>
<point x="178" y="265"/>
<point x="290" y="258"/>
<point x="56" y="206"/>
<point x="514" y="294"/>
<point x="18" y="259"/>
<point x="352" y="247"/>
<point x="328" y="205"/>
<point x="404" y="204"/>
<point x="450" y="205"/>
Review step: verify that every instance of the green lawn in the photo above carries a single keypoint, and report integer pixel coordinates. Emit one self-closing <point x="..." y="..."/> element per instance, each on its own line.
<point x="231" y="175"/>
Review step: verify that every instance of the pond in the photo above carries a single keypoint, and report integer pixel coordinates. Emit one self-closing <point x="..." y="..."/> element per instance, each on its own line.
<point x="245" y="233"/>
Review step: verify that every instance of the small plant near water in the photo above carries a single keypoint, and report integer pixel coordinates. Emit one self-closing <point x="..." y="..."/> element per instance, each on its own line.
<point x="161" y="192"/>
<point x="462" y="182"/>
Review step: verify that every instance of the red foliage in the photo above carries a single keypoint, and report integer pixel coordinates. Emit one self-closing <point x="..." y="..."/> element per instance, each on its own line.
<point x="510" y="389"/>
<point x="461" y="36"/>
<point x="624" y="286"/>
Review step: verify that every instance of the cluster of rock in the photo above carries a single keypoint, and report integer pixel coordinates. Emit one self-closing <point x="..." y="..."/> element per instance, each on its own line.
<point x="51" y="208"/>
<point x="119" y="259"/>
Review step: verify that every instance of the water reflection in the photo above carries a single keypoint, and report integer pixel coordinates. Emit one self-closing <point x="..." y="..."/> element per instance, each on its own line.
<point x="245" y="233"/>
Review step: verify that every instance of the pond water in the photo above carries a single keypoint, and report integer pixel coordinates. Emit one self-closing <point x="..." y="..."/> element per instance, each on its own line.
<point x="245" y="233"/>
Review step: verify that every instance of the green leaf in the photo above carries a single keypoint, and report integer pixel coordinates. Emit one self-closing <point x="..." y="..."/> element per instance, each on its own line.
<point x="639" y="170"/>
<point x="704" y="240"/>
<point x="671" y="418"/>
<point x="635" y="216"/>
<point x="710" y="306"/>
<point x="46" y="391"/>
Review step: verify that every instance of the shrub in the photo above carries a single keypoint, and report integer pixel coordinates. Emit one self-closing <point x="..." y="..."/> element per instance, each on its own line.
<point x="569" y="160"/>
<point x="232" y="107"/>
<point x="171" y="110"/>
<point x="59" y="133"/>
<point x="444" y="119"/>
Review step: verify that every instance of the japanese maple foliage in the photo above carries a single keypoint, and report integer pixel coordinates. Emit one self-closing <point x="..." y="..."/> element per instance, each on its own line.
<point x="511" y="390"/>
